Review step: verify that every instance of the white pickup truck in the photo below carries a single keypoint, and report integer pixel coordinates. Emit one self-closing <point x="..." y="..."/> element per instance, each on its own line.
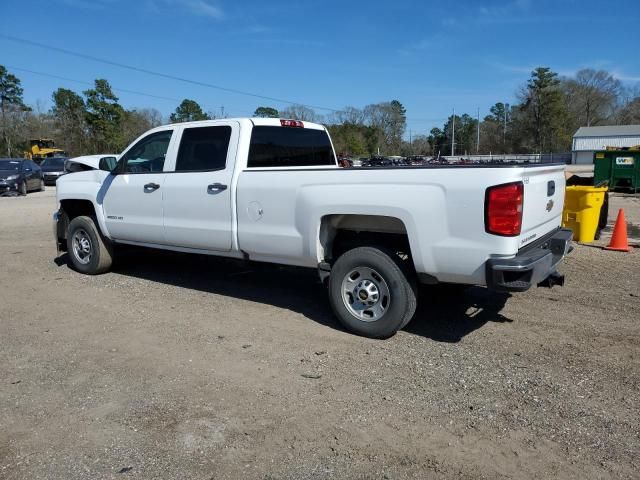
<point x="270" y="190"/>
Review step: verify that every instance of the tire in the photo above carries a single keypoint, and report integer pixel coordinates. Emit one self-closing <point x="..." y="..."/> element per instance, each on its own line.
<point x="381" y="274"/>
<point x="22" y="189"/>
<point x="42" y="185"/>
<point x="89" y="252"/>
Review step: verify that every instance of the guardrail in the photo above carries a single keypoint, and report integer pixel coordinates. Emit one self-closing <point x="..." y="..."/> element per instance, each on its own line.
<point x="513" y="157"/>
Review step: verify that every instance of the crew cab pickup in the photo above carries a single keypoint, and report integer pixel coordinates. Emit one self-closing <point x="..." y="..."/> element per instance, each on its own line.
<point x="270" y="190"/>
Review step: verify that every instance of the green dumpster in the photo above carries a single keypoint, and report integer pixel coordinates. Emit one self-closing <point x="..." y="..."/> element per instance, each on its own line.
<point x="620" y="168"/>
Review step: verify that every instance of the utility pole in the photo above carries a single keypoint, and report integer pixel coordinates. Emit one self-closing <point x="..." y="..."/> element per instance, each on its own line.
<point x="410" y="142"/>
<point x="453" y="134"/>
<point x="478" y="140"/>
<point x="504" y="130"/>
<point x="222" y="111"/>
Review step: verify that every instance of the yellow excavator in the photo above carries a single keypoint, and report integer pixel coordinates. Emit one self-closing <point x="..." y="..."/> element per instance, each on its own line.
<point x="41" y="148"/>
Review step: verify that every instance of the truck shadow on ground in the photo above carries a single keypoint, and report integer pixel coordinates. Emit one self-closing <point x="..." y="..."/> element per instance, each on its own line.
<point x="444" y="314"/>
<point x="449" y="313"/>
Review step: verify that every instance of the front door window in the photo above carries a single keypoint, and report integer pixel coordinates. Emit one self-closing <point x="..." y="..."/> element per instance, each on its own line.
<point x="148" y="155"/>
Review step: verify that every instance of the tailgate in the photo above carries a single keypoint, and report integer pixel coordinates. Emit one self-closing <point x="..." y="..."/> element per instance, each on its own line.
<point x="543" y="201"/>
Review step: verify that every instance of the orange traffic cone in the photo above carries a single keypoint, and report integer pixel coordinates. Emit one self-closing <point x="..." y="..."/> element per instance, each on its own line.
<point x="619" y="240"/>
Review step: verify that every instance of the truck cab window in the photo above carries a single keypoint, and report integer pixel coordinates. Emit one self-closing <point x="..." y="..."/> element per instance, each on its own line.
<point x="203" y="149"/>
<point x="148" y="155"/>
<point x="290" y="147"/>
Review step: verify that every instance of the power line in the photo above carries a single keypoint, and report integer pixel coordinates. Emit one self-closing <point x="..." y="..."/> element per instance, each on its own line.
<point x="441" y="119"/>
<point x="453" y="134"/>
<point x="158" y="74"/>
<point x="83" y="82"/>
<point x="135" y="92"/>
<point x="91" y="84"/>
<point x="170" y="77"/>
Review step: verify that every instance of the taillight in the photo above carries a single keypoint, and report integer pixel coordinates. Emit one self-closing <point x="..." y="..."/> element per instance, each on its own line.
<point x="503" y="209"/>
<point x="291" y="123"/>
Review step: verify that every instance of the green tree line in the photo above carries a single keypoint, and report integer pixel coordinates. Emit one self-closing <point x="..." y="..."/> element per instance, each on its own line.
<point x="547" y="111"/>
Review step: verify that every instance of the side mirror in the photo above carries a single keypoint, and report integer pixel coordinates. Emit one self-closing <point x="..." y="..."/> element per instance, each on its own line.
<point x="108" y="164"/>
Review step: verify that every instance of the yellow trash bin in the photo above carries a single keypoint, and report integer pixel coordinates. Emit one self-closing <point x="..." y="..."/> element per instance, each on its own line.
<point x="581" y="212"/>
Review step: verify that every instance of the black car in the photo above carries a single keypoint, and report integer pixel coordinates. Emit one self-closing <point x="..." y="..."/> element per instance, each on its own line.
<point x="379" y="162"/>
<point x="20" y="175"/>
<point x="52" y="168"/>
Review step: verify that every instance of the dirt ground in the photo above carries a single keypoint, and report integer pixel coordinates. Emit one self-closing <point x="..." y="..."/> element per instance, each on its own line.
<point x="184" y="367"/>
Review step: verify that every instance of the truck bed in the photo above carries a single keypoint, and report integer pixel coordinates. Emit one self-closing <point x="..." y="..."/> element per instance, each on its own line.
<point x="440" y="207"/>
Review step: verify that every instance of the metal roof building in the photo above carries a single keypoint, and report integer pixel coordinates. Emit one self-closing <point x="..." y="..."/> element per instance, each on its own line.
<point x="587" y="140"/>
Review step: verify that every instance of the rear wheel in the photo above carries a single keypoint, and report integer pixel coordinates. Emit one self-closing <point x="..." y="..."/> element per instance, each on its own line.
<point x="372" y="292"/>
<point x="42" y="187"/>
<point x="88" y="250"/>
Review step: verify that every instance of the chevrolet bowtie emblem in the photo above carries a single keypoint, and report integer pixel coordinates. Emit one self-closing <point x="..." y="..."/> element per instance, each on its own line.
<point x="549" y="205"/>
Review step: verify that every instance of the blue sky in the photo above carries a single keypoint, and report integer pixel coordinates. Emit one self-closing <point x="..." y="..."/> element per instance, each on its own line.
<point x="432" y="56"/>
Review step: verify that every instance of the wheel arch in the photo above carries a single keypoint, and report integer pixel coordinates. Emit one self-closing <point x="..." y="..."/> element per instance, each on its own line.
<point x="71" y="208"/>
<point x="75" y="207"/>
<point x="341" y="232"/>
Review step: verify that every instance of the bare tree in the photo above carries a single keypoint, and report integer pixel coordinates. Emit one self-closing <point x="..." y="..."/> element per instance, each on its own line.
<point x="301" y="112"/>
<point x="592" y="96"/>
<point x="419" y="145"/>
<point x="390" y="118"/>
<point x="629" y="114"/>
<point x="137" y="121"/>
<point x="351" y="115"/>
<point x="38" y="123"/>
<point x="152" y="115"/>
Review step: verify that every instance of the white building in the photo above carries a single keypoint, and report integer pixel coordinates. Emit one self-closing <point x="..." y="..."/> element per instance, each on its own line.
<point x="587" y="140"/>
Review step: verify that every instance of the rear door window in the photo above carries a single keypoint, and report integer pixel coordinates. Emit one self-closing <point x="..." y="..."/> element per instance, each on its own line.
<point x="290" y="147"/>
<point x="203" y="149"/>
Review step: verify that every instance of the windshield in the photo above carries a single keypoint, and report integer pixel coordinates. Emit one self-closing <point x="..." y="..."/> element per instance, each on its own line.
<point x="10" y="165"/>
<point x="53" y="162"/>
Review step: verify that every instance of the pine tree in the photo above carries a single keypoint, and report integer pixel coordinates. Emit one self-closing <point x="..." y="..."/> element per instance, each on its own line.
<point x="188" y="111"/>
<point x="11" y="102"/>
<point x="104" y="116"/>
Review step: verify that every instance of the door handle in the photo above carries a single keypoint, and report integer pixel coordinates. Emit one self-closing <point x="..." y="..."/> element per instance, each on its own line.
<point x="151" y="187"/>
<point x="216" y="187"/>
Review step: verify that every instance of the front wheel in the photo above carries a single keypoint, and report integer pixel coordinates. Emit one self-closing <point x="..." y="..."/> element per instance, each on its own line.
<point x="89" y="251"/>
<point x="23" y="188"/>
<point x="42" y="186"/>
<point x="372" y="292"/>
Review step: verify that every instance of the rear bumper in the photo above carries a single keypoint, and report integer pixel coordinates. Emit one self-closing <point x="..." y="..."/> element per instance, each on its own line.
<point x="530" y="266"/>
<point x="51" y="178"/>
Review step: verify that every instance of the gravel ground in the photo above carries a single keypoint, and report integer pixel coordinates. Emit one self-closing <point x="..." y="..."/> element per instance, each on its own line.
<point x="177" y="366"/>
